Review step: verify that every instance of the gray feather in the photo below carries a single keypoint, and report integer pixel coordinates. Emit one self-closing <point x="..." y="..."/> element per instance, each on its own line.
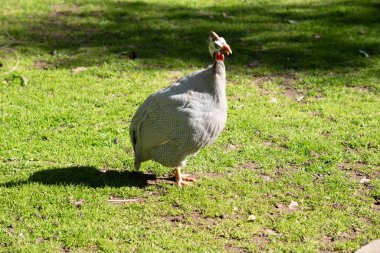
<point x="182" y="119"/>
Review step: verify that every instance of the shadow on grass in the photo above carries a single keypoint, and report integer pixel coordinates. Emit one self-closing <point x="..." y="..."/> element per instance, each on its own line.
<point x="89" y="176"/>
<point x="317" y="36"/>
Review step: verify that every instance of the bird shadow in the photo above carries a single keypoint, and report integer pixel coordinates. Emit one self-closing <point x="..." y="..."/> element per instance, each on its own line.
<point x="90" y="177"/>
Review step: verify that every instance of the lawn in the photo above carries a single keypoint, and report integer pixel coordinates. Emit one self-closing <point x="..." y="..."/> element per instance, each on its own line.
<point x="297" y="168"/>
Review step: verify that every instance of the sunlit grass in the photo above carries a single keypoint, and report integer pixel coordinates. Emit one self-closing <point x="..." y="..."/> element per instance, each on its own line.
<point x="302" y="126"/>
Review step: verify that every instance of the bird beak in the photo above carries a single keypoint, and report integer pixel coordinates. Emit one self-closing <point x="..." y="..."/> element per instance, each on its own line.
<point x="226" y="49"/>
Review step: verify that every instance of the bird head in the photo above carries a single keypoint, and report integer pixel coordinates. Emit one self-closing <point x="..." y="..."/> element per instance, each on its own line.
<point x="218" y="46"/>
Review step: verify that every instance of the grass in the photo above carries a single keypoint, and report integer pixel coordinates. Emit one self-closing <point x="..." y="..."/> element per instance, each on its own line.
<point x="303" y="126"/>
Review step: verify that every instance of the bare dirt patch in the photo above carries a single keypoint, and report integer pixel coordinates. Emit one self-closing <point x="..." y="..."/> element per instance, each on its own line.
<point x="196" y="219"/>
<point x="362" y="88"/>
<point x="258" y="82"/>
<point x="159" y="180"/>
<point x="248" y="166"/>
<point x="260" y="241"/>
<point x="283" y="208"/>
<point x="286" y="83"/>
<point x="288" y="170"/>
<point x="355" y="171"/>
<point x="269" y="144"/>
<point x="288" y="89"/>
<point x="63" y="9"/>
<point x="351" y="166"/>
<point x="235" y="249"/>
<point x="201" y="221"/>
<point x="41" y="64"/>
<point x="233" y="147"/>
<point x="176" y="219"/>
<point x="209" y="175"/>
<point x="341" y="237"/>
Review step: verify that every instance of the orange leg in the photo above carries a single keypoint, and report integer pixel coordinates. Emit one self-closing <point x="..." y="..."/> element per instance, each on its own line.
<point x="181" y="179"/>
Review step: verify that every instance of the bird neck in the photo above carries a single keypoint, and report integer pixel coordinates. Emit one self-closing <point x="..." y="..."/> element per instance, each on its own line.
<point x="219" y="81"/>
<point x="220" y="69"/>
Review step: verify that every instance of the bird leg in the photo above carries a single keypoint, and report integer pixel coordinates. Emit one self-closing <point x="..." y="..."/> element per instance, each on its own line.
<point x="181" y="179"/>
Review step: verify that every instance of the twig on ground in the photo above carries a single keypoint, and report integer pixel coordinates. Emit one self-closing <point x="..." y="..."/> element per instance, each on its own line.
<point x="18" y="60"/>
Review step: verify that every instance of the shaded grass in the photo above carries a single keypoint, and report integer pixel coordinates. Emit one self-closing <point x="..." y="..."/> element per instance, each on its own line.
<point x="64" y="134"/>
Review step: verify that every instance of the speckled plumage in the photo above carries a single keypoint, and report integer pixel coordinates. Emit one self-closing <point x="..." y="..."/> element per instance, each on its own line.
<point x="182" y="119"/>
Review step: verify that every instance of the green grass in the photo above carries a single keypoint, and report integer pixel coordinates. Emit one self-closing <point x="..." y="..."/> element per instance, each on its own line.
<point x="64" y="135"/>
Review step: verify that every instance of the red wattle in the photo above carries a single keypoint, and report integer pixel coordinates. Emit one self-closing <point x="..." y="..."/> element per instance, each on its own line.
<point x="219" y="56"/>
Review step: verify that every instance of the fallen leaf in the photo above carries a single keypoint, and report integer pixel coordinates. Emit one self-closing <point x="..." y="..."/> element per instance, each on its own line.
<point x="267" y="144"/>
<point x="77" y="203"/>
<point x="251" y="218"/>
<point x="364" y="53"/>
<point x="273" y="100"/>
<point x="231" y="147"/>
<point x="365" y="180"/>
<point x="24" y="80"/>
<point x="290" y="21"/>
<point x="206" y="15"/>
<point x="225" y="15"/>
<point x="270" y="232"/>
<point x="39" y="240"/>
<point x="78" y="70"/>
<point x="316" y="36"/>
<point x="118" y="201"/>
<point x="299" y="98"/>
<point x="293" y="205"/>
<point x="267" y="178"/>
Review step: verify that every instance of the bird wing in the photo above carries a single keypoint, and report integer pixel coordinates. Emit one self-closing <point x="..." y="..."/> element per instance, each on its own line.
<point x="157" y="121"/>
<point x="173" y="116"/>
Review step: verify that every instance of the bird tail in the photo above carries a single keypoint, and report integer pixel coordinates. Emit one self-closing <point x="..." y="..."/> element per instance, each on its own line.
<point x="134" y="144"/>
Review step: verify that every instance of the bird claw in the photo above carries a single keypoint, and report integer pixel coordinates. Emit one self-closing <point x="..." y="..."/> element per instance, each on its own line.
<point x="181" y="179"/>
<point x="181" y="183"/>
<point x="186" y="177"/>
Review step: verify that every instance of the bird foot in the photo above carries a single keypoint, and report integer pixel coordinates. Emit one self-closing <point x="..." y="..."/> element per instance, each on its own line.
<point x="183" y="179"/>
<point x="181" y="183"/>
<point x="187" y="177"/>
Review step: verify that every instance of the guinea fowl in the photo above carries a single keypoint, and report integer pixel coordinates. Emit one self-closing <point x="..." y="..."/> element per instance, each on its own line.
<point x="180" y="120"/>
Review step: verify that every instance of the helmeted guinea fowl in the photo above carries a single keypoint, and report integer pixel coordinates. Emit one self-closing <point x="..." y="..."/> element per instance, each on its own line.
<point x="184" y="118"/>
